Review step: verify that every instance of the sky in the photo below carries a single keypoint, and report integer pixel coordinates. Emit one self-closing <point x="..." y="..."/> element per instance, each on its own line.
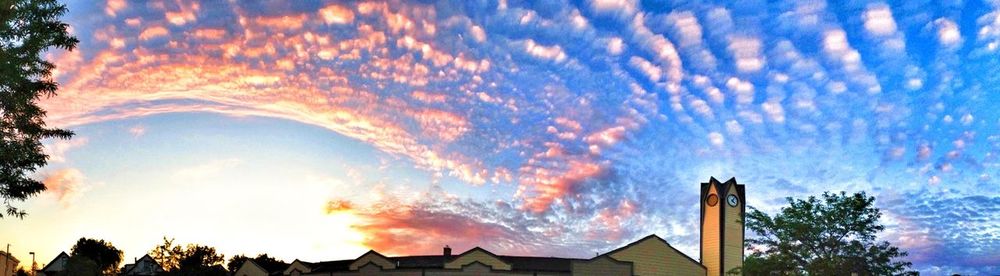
<point x="316" y="130"/>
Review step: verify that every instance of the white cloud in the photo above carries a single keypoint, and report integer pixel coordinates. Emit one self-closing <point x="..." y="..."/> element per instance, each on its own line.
<point x="57" y="149"/>
<point x="553" y="53"/>
<point x="650" y="70"/>
<point x="207" y="169"/>
<point x="619" y="9"/>
<point x="747" y="52"/>
<point x="137" y="130"/>
<point x="947" y="32"/>
<point x="616" y="46"/>
<point x="878" y="20"/>
<point x="716" y="139"/>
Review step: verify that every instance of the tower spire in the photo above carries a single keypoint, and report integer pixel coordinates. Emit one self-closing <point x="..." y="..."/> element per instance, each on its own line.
<point x="722" y="229"/>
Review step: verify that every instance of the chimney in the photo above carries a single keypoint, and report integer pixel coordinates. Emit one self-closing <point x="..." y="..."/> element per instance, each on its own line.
<point x="447" y="251"/>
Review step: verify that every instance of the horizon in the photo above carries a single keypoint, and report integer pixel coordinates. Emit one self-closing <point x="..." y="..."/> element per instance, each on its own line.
<point x="318" y="130"/>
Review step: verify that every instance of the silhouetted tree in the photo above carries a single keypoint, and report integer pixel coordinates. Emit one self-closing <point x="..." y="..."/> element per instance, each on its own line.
<point x="167" y="254"/>
<point x="105" y="256"/>
<point x="81" y="266"/>
<point x="191" y="260"/>
<point x="21" y="272"/>
<point x="263" y="259"/>
<point x="235" y="262"/>
<point x="27" y="29"/>
<point x="832" y="235"/>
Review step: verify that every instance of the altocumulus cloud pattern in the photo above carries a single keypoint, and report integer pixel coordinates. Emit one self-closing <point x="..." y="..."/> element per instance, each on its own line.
<point x="600" y="116"/>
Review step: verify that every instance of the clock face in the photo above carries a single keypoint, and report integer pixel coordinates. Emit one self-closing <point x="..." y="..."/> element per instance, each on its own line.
<point x="732" y="200"/>
<point x="712" y="200"/>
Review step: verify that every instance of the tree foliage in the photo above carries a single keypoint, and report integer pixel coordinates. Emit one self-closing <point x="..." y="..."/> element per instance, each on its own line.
<point x="28" y="28"/>
<point x="192" y="259"/>
<point x="81" y="266"/>
<point x="263" y="259"/>
<point x="832" y="235"/>
<point x="102" y="253"/>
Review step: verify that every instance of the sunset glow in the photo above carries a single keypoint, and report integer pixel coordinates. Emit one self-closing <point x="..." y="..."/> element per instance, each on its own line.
<point x="317" y="130"/>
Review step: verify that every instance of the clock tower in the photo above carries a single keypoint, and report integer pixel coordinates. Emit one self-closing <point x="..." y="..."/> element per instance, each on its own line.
<point x="722" y="216"/>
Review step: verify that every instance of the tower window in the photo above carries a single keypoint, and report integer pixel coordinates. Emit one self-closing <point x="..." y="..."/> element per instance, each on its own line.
<point x="712" y="200"/>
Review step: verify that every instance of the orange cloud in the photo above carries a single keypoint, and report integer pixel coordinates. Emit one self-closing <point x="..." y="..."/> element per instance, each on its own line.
<point x="339" y="205"/>
<point x="153" y="32"/>
<point x="284" y="22"/>
<point x="67" y="185"/>
<point x="208" y="33"/>
<point x="335" y="14"/>
<point x="424" y="226"/>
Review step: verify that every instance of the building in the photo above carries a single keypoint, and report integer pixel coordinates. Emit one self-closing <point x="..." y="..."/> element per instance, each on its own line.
<point x="8" y="264"/>
<point x="252" y="268"/>
<point x="58" y="264"/>
<point x="721" y="251"/>
<point x="142" y="266"/>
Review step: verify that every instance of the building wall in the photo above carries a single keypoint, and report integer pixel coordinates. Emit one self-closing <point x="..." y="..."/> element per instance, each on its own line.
<point x="296" y="266"/>
<point x="733" y="246"/>
<point x="473" y="269"/>
<point x="710" y="234"/>
<point x="601" y="266"/>
<point x="8" y="265"/>
<point x="654" y="257"/>
<point x="249" y="269"/>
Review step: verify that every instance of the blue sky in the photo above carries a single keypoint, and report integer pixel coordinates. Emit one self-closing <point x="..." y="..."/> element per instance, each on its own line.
<point x="552" y="128"/>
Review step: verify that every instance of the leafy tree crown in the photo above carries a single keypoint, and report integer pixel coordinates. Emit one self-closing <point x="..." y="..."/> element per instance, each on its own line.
<point x="28" y="28"/>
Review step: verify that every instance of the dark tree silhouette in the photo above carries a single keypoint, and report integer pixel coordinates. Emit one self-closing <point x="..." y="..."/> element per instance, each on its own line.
<point x="102" y="253"/>
<point x="191" y="260"/>
<point x="81" y="266"/>
<point x="831" y="235"/>
<point x="235" y="262"/>
<point x="263" y="259"/>
<point x="28" y="28"/>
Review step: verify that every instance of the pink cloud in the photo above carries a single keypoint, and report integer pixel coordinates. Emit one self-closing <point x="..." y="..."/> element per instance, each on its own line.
<point x="541" y="186"/>
<point x="113" y="6"/>
<point x="287" y="65"/>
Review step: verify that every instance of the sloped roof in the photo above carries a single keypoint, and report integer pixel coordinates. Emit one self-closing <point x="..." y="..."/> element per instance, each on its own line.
<point x="654" y="236"/>
<point x="145" y="258"/>
<point x="330" y="266"/>
<point x="54" y="260"/>
<point x="518" y="263"/>
<point x="271" y="268"/>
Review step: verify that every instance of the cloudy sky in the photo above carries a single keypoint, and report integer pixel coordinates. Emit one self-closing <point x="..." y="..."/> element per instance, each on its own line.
<point x="316" y="130"/>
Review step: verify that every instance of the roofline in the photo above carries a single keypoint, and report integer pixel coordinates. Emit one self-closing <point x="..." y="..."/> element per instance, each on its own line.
<point x="481" y="249"/>
<point x="53" y="260"/>
<point x="649" y="237"/>
<point x="370" y="251"/>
